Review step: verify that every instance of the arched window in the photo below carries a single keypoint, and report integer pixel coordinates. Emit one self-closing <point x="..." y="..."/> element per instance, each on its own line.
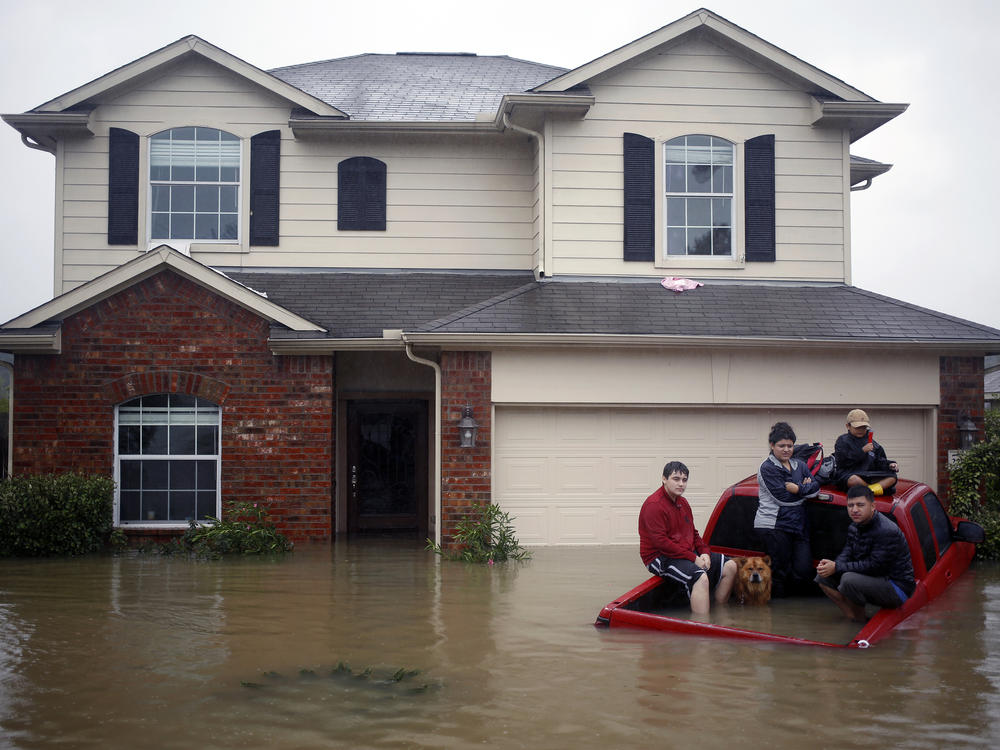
<point x="699" y="195"/>
<point x="194" y="176"/>
<point x="167" y="460"/>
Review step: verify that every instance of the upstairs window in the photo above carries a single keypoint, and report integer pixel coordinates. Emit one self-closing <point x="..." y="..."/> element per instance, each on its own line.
<point x="167" y="459"/>
<point x="194" y="176"/>
<point x="698" y="178"/>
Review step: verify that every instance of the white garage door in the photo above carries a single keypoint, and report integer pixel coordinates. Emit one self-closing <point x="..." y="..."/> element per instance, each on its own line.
<point x="579" y="475"/>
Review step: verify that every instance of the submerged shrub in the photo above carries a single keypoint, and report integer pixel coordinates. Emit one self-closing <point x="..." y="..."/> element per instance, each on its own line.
<point x="55" y="514"/>
<point x="977" y="470"/>
<point x="484" y="536"/>
<point x="243" y="530"/>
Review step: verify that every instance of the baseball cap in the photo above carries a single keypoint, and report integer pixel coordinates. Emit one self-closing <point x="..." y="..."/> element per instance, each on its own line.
<point x="857" y="418"/>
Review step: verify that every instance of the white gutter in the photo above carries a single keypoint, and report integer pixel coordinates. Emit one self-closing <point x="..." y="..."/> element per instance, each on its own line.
<point x="540" y="268"/>
<point x="437" y="432"/>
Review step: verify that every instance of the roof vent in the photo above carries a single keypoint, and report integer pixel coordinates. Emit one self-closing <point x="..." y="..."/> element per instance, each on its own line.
<point x="441" y="54"/>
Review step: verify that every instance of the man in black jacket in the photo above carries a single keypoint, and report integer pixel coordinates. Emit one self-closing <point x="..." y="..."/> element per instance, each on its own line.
<point x="874" y="566"/>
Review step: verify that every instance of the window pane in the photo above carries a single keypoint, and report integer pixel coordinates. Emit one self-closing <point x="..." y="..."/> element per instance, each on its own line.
<point x="722" y="151"/>
<point x="183" y="401"/>
<point x="206" y="505"/>
<point x="229" y="224"/>
<point x="721" y="242"/>
<point x="206" y="227"/>
<point x="182" y="506"/>
<point x="182" y="440"/>
<point x="154" y="439"/>
<point x="161" y="198"/>
<point x="182" y="173"/>
<point x="131" y="475"/>
<point x="699" y="179"/>
<point x="206" y="173"/>
<point x="675" y="178"/>
<point x="675" y="151"/>
<point x="128" y="439"/>
<point x="154" y="506"/>
<point x="206" y="474"/>
<point x="129" y="506"/>
<point x="699" y="212"/>
<point x="161" y="227"/>
<point x="675" y="212"/>
<point x="182" y="227"/>
<point x="699" y="242"/>
<point x="676" y="242"/>
<point x="156" y="401"/>
<point x="206" y="198"/>
<point x="722" y="179"/>
<point x="155" y="475"/>
<point x="722" y="212"/>
<point x="208" y="440"/>
<point x="182" y="198"/>
<point x="227" y="198"/>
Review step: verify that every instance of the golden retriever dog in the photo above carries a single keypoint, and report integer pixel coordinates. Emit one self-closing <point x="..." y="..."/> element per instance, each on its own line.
<point x="753" y="580"/>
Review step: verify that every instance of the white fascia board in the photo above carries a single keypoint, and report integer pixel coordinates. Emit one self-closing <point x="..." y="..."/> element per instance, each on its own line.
<point x="303" y="127"/>
<point x="32" y="343"/>
<point x="736" y="35"/>
<point x="145" y="266"/>
<point x="459" y="341"/>
<point x="189" y="45"/>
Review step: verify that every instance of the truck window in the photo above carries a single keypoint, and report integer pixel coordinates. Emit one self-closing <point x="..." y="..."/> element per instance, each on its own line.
<point x="923" y="529"/>
<point x="939" y="522"/>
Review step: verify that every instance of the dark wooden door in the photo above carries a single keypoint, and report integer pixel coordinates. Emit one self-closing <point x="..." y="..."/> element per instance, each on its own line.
<point x="387" y="465"/>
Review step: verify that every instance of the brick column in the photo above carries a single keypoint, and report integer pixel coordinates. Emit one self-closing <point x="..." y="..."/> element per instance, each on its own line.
<point x="961" y="382"/>
<point x="466" y="473"/>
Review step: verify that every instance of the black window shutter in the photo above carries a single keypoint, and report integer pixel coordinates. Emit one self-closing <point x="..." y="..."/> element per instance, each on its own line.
<point x="265" y="179"/>
<point x="123" y="187"/>
<point x="361" y="187"/>
<point x="758" y="180"/>
<point x="639" y="200"/>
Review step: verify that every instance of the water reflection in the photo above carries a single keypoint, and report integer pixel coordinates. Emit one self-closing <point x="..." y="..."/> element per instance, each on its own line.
<point x="160" y="652"/>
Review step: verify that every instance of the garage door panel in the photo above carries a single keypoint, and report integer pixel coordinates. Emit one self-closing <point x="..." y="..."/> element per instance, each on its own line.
<point x="595" y="465"/>
<point x="576" y="476"/>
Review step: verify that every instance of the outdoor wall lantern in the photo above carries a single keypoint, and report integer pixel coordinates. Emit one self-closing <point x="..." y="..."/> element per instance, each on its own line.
<point x="468" y="428"/>
<point x="966" y="432"/>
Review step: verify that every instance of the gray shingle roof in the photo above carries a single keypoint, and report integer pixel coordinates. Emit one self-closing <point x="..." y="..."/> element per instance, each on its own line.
<point x="363" y="304"/>
<point x="416" y="86"/>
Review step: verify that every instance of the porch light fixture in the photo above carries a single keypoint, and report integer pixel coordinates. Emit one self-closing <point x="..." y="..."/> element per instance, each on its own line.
<point x="468" y="428"/>
<point x="966" y="432"/>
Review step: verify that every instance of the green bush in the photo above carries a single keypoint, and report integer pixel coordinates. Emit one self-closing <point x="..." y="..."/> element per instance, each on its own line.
<point x="243" y="530"/>
<point x="55" y="514"/>
<point x="978" y="469"/>
<point x="484" y="536"/>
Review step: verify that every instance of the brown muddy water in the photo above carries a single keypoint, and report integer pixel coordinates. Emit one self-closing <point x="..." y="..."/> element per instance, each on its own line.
<point x="173" y="653"/>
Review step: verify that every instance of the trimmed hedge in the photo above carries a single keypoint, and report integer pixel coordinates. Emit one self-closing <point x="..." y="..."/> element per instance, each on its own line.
<point x="55" y="514"/>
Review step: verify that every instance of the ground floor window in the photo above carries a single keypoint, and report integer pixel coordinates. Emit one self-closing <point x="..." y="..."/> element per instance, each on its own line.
<point x="6" y="389"/>
<point x="167" y="459"/>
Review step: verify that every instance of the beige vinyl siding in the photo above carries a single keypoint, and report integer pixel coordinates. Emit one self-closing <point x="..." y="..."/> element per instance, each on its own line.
<point x="466" y="201"/>
<point x="697" y="87"/>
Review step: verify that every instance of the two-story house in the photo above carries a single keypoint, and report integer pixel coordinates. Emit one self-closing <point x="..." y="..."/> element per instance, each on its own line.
<point x="373" y="291"/>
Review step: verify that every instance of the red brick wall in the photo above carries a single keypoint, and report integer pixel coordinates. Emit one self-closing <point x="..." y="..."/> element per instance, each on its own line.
<point x="167" y="334"/>
<point x="961" y="381"/>
<point x="466" y="476"/>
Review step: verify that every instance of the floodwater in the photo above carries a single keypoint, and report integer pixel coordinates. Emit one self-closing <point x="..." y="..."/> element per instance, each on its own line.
<point x="175" y="653"/>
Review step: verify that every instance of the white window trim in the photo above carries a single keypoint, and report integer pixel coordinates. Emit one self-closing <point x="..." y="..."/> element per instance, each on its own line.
<point x="196" y="245"/>
<point x="118" y="523"/>
<point x="738" y="258"/>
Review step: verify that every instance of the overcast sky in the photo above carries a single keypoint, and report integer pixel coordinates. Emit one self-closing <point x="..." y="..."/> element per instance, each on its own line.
<point x="920" y="233"/>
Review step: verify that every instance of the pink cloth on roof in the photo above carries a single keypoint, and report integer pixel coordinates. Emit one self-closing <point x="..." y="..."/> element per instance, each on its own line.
<point x="677" y="284"/>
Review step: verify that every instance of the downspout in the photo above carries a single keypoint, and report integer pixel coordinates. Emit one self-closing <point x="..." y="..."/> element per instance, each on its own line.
<point x="437" y="433"/>
<point x="540" y="269"/>
<point x="858" y="188"/>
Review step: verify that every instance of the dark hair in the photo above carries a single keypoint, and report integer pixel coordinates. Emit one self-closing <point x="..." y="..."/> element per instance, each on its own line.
<point x="673" y="466"/>
<point x="861" y="490"/>
<point x="781" y="431"/>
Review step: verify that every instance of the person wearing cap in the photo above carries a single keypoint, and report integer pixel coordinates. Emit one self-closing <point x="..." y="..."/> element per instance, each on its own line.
<point x="860" y="460"/>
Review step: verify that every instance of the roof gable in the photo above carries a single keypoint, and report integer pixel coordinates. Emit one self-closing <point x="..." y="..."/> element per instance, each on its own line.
<point x="189" y="45"/>
<point x="722" y="32"/>
<point x="147" y="265"/>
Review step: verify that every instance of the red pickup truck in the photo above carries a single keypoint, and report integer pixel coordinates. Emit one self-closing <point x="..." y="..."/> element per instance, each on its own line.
<point x="941" y="548"/>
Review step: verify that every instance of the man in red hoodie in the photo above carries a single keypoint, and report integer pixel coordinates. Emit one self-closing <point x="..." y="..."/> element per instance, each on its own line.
<point x="671" y="547"/>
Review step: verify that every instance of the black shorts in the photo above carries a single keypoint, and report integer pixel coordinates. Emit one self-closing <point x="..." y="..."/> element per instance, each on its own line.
<point x="685" y="572"/>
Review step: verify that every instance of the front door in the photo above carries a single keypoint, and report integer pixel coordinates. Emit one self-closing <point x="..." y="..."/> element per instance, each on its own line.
<point x="387" y="465"/>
